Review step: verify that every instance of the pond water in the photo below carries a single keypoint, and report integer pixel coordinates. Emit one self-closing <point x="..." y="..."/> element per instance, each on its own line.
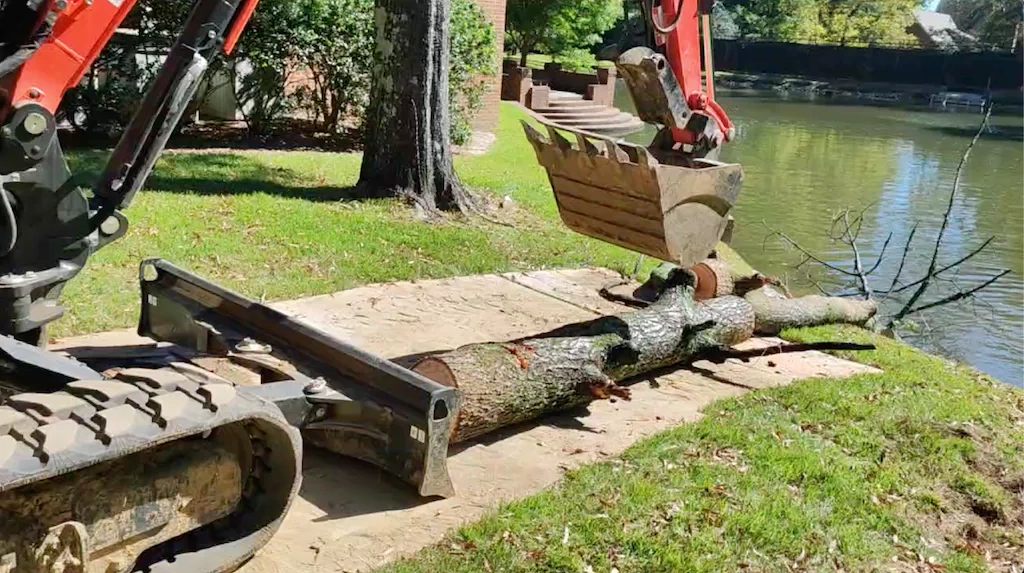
<point x="805" y="160"/>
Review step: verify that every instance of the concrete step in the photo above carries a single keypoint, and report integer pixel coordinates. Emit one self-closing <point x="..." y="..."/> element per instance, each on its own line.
<point x="622" y="119"/>
<point x="573" y="103"/>
<point x="573" y="109"/>
<point x="603" y="113"/>
<point x="621" y="131"/>
<point x="564" y="96"/>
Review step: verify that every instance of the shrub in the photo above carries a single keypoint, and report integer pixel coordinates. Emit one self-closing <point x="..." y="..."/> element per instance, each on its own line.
<point x="577" y="60"/>
<point x="473" y="58"/>
<point x="335" y="47"/>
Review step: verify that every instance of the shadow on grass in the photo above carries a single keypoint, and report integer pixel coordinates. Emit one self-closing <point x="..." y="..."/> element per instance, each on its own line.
<point x="285" y="134"/>
<point x="220" y="174"/>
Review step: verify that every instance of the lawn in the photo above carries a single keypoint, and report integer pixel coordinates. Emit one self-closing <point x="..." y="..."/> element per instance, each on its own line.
<point x="281" y="225"/>
<point x="917" y="469"/>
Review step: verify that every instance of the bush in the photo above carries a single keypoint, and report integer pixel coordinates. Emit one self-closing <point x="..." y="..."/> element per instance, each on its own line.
<point x="336" y="48"/>
<point x="474" y="57"/>
<point x="327" y="42"/>
<point x="102" y="106"/>
<point x="577" y="60"/>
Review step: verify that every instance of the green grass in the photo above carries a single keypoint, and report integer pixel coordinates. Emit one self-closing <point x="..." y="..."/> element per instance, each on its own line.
<point x="281" y="225"/>
<point x="875" y="472"/>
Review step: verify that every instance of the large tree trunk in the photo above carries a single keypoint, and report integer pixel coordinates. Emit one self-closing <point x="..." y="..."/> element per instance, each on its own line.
<point x="511" y="382"/>
<point x="504" y="383"/>
<point x="407" y="143"/>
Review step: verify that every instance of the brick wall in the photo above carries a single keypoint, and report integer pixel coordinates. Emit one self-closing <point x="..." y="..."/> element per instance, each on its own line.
<point x="487" y="118"/>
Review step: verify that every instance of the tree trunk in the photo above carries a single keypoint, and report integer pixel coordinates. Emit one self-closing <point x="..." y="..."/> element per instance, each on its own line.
<point x="504" y="383"/>
<point x="508" y="383"/>
<point x="408" y="146"/>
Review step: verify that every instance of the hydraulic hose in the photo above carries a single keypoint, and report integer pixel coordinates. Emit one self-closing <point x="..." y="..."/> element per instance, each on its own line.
<point x="649" y="11"/>
<point x="9" y="230"/>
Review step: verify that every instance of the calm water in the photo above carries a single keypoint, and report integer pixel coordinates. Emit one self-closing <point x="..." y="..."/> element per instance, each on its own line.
<point x="804" y="161"/>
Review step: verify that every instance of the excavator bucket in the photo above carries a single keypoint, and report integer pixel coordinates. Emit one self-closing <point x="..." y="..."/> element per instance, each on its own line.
<point x="651" y="201"/>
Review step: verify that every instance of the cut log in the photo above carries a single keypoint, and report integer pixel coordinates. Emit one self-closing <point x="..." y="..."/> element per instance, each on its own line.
<point x="775" y="311"/>
<point x="504" y="383"/>
<point x="512" y="382"/>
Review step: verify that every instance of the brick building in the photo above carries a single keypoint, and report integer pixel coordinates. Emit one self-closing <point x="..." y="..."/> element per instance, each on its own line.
<point x="487" y="117"/>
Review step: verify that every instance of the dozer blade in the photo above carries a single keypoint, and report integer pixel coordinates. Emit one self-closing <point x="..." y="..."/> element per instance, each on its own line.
<point x="343" y="399"/>
<point x="675" y="209"/>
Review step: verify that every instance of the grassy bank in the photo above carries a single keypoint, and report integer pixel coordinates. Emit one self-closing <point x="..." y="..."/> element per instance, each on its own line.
<point x="280" y="225"/>
<point x="920" y="468"/>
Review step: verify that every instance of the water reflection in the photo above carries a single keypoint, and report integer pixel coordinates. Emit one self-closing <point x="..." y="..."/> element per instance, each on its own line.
<point x="804" y="161"/>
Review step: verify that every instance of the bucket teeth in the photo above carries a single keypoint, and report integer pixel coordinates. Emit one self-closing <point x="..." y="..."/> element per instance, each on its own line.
<point x="615" y="152"/>
<point x="586" y="146"/>
<point x="645" y="159"/>
<point x="535" y="137"/>
<point x="558" y="139"/>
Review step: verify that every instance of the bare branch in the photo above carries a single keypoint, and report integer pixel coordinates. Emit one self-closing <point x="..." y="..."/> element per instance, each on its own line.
<point x="862" y="278"/>
<point x="805" y="252"/>
<point x="955" y="263"/>
<point x="958" y="296"/>
<point x="881" y="255"/>
<point x="945" y="223"/>
<point x="903" y="260"/>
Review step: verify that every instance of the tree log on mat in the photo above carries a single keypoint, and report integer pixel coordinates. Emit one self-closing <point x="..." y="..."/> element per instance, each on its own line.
<point x="504" y="383"/>
<point x="510" y="382"/>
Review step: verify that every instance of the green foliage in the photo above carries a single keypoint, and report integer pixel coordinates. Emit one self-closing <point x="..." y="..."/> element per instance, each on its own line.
<point x="994" y="22"/>
<point x="102" y="106"/>
<point x="841" y="22"/>
<point x="473" y="58"/>
<point x="336" y="47"/>
<point x="558" y="26"/>
<point x="312" y="56"/>
<point x="577" y="60"/>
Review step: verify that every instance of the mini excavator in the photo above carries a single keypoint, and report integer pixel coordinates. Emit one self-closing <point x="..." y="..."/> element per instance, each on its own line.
<point x="185" y="457"/>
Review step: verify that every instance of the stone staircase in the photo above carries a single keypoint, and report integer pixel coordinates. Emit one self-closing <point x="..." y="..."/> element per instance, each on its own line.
<point x="573" y="111"/>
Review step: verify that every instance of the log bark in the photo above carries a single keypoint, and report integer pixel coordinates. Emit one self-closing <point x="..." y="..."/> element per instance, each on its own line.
<point x="407" y="149"/>
<point x="775" y="311"/>
<point x="511" y="382"/>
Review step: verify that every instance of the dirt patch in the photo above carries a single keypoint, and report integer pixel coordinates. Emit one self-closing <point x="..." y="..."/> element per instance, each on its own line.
<point x="982" y="514"/>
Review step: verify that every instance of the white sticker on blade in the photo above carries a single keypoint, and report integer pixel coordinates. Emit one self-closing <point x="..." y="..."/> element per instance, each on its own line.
<point x="417" y="434"/>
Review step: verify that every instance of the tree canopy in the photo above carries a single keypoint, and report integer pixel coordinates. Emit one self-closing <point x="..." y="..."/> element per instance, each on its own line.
<point x="558" y="26"/>
<point x="841" y="22"/>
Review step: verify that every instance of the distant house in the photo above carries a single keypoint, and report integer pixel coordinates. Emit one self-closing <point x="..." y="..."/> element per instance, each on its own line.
<point x="937" y="31"/>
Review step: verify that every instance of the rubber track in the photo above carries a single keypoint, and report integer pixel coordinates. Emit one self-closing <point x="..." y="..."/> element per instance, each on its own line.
<point x="46" y="435"/>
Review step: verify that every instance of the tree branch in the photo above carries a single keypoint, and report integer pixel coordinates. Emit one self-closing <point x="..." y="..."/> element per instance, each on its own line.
<point x="958" y="296"/>
<point x="805" y="252"/>
<point x="945" y="223"/>
<point x="945" y="268"/>
<point x="903" y="261"/>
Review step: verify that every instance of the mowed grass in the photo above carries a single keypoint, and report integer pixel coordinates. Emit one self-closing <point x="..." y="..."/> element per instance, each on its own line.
<point x="917" y="469"/>
<point x="281" y="225"/>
